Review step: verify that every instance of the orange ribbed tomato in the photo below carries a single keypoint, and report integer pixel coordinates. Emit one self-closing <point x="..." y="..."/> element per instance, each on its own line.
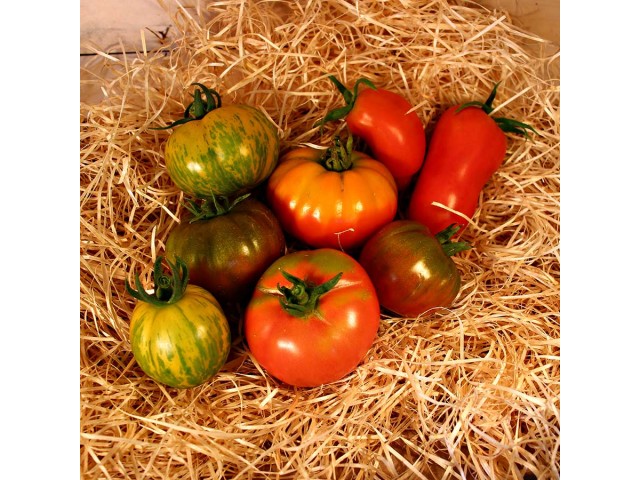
<point x="335" y="198"/>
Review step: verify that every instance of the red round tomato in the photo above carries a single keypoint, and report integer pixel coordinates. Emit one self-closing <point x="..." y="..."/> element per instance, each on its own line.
<point x="312" y="318"/>
<point x="227" y="247"/>
<point x="411" y="268"/>
<point x="334" y="198"/>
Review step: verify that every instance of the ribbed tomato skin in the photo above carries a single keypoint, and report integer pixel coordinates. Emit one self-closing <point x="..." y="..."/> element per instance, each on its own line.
<point x="182" y="344"/>
<point x="229" y="151"/>
<point x="329" y="209"/>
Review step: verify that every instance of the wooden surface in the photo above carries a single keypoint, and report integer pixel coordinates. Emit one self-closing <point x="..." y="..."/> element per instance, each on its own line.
<point x="115" y="26"/>
<point x="541" y="17"/>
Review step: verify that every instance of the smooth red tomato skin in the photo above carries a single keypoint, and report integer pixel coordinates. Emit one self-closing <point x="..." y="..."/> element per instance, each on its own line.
<point x="227" y="254"/>
<point x="396" y="138"/>
<point x="466" y="148"/>
<point x="409" y="269"/>
<point x="328" y="209"/>
<point x="327" y="344"/>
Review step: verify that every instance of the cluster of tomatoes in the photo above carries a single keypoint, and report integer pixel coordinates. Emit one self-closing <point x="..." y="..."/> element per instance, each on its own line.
<point x="309" y="313"/>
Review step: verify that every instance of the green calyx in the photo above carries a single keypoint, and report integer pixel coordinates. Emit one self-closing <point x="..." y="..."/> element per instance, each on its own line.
<point x="506" y="124"/>
<point x="168" y="289"/>
<point x="338" y="157"/>
<point x="451" y="248"/>
<point x="301" y="299"/>
<point x="197" y="109"/>
<point x="212" y="207"/>
<point x="349" y="98"/>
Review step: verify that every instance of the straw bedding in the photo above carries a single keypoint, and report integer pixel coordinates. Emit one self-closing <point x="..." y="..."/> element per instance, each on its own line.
<point x="472" y="392"/>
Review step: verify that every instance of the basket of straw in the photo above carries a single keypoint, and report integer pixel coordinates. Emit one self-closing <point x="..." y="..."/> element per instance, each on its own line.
<point x="472" y="391"/>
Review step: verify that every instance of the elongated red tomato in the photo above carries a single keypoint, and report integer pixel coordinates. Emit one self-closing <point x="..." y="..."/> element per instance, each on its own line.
<point x="312" y="318"/>
<point x="466" y="148"/>
<point x="331" y="199"/>
<point x="385" y="121"/>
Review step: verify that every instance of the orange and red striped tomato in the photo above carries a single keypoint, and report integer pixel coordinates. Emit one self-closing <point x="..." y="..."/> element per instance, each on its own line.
<point x="329" y="208"/>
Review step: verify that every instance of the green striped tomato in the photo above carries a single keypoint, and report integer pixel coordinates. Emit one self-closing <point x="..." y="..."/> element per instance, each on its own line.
<point x="221" y="150"/>
<point x="180" y="337"/>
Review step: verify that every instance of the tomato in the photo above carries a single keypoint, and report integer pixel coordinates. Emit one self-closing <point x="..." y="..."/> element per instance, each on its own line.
<point x="466" y="148"/>
<point x="383" y="119"/>
<point x="227" y="246"/>
<point x="312" y="318"/>
<point x="179" y="336"/>
<point x="221" y="150"/>
<point x="411" y="268"/>
<point x="335" y="198"/>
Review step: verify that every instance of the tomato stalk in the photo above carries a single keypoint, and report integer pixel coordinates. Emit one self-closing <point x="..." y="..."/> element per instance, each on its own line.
<point x="349" y="98"/>
<point x="168" y="289"/>
<point x="302" y="298"/>
<point x="338" y="158"/>
<point x="213" y="207"/>
<point x="506" y="124"/>
<point x="451" y="248"/>
<point x="197" y="109"/>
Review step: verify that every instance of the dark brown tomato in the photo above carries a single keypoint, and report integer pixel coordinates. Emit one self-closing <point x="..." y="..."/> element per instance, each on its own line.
<point x="411" y="271"/>
<point x="226" y="254"/>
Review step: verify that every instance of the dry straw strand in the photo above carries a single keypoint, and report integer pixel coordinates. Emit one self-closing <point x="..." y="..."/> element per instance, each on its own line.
<point x="467" y="392"/>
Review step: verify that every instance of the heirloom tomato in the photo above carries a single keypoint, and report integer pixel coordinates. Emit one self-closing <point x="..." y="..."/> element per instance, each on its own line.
<point x="334" y="198"/>
<point x="411" y="268"/>
<point x="385" y="121"/>
<point x="466" y="148"/>
<point x="227" y="246"/>
<point x="312" y="318"/>
<point x="179" y="335"/>
<point x="216" y="150"/>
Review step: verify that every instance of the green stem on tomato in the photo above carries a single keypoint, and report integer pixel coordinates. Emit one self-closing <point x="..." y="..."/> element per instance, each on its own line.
<point x="451" y="248"/>
<point x="338" y="157"/>
<point x="302" y="297"/>
<point x="168" y="289"/>
<point x="197" y="109"/>
<point x="505" y="124"/>
<point x="349" y="98"/>
<point x="212" y="207"/>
